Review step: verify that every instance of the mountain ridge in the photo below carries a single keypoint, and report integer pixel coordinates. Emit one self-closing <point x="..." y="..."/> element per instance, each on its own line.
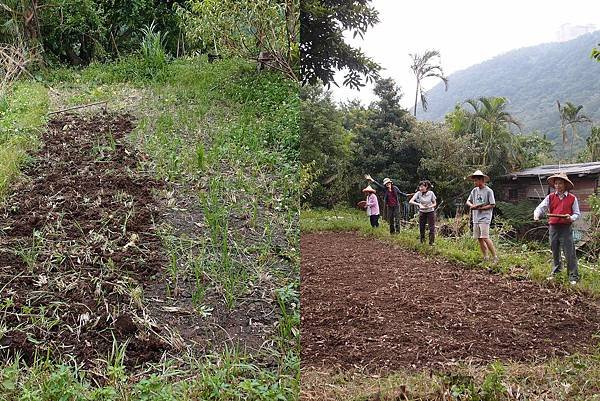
<point x="532" y="79"/>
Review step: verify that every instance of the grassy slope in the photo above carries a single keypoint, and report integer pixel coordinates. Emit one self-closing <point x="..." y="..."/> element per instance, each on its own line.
<point x="573" y="378"/>
<point x="207" y="128"/>
<point x="22" y="115"/>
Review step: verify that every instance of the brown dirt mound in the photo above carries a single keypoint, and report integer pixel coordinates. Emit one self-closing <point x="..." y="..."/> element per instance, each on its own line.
<point x="76" y="238"/>
<point x="371" y="305"/>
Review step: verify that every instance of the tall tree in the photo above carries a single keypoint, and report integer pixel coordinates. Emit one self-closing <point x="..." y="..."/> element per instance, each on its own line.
<point x="424" y="66"/>
<point x="488" y="123"/>
<point x="380" y="145"/>
<point x="323" y="49"/>
<point x="570" y="116"/>
<point x="325" y="147"/>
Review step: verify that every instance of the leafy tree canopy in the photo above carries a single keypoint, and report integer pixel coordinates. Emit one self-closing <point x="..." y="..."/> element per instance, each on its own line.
<point x="323" y="47"/>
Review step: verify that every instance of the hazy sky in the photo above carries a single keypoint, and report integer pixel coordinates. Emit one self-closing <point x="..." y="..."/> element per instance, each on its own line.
<point x="466" y="32"/>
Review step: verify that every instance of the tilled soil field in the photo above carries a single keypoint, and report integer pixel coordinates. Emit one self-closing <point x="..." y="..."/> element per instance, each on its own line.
<point x="371" y="305"/>
<point x="77" y="245"/>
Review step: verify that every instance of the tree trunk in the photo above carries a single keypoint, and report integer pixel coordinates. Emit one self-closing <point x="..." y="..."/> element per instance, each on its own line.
<point x="416" y="98"/>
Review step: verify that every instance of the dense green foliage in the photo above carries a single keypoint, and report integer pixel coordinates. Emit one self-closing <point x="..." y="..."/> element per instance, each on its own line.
<point x="323" y="47"/>
<point x="325" y="146"/>
<point x="532" y="79"/>
<point x="344" y="142"/>
<point x="246" y="28"/>
<point x="76" y="32"/>
<point x="497" y="150"/>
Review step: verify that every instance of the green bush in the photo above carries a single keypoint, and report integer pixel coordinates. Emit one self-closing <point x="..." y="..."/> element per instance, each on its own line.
<point x="154" y="55"/>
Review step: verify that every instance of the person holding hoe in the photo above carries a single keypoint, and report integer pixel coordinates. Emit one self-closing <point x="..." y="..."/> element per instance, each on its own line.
<point x="425" y="199"/>
<point x="562" y="209"/>
<point x="372" y="206"/>
<point x="481" y="201"/>
<point x="391" y="200"/>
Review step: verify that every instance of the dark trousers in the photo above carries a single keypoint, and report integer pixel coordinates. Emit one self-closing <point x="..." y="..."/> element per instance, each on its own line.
<point x="561" y="238"/>
<point x="394" y="218"/>
<point x="374" y="218"/>
<point x="427" y="218"/>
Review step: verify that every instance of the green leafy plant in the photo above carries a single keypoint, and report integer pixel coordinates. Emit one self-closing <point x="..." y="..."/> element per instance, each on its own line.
<point x="152" y="50"/>
<point x="246" y="28"/>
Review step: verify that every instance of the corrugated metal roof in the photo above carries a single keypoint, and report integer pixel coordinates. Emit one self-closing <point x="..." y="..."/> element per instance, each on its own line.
<point x="578" y="169"/>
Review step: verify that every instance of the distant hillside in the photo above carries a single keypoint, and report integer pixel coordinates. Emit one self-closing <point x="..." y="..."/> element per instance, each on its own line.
<point x="532" y="78"/>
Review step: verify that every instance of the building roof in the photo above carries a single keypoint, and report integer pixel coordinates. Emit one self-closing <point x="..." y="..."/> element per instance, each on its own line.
<point x="577" y="169"/>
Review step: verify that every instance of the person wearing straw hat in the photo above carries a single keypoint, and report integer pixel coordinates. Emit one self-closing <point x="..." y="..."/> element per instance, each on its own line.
<point x="425" y="199"/>
<point x="391" y="201"/>
<point x="562" y="209"/>
<point x="372" y="205"/>
<point x="481" y="201"/>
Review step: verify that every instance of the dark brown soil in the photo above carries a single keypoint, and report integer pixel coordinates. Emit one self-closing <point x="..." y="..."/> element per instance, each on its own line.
<point x="76" y="237"/>
<point x="368" y="304"/>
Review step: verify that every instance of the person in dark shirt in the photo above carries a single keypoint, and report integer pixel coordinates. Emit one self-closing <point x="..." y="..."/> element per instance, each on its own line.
<point x="391" y="201"/>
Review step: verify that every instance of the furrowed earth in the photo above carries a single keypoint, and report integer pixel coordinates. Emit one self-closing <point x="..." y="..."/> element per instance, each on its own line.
<point x="370" y="305"/>
<point x="81" y="259"/>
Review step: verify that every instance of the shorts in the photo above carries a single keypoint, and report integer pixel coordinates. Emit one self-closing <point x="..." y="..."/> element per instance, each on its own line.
<point x="481" y="230"/>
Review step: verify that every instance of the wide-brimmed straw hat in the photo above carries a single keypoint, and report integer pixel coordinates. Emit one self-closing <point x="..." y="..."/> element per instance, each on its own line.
<point x="479" y="173"/>
<point x="386" y="180"/>
<point x="369" y="189"/>
<point x="563" y="176"/>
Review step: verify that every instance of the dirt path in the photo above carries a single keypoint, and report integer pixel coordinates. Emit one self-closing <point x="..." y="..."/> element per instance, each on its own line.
<point x="368" y="304"/>
<point x="77" y="244"/>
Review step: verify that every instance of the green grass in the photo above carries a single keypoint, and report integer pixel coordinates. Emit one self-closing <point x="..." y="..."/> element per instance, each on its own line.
<point x="230" y="375"/>
<point x="574" y="378"/>
<point x="22" y="116"/>
<point x="518" y="260"/>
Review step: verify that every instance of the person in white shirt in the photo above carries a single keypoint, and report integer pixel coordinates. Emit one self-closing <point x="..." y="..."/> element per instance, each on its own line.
<point x="425" y="199"/>
<point x="481" y="201"/>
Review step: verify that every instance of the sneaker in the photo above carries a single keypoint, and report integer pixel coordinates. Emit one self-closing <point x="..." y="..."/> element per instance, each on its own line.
<point x="495" y="259"/>
<point x="551" y="277"/>
<point x="572" y="282"/>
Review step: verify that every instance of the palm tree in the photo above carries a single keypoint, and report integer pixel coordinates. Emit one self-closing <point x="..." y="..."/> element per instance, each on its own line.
<point x="422" y="69"/>
<point x="490" y="123"/>
<point x="570" y="117"/>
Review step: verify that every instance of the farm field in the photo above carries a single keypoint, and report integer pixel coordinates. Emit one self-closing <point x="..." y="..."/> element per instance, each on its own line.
<point x="149" y="244"/>
<point x="398" y="320"/>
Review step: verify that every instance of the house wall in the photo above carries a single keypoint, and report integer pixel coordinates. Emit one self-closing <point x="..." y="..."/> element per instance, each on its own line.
<point x="530" y="188"/>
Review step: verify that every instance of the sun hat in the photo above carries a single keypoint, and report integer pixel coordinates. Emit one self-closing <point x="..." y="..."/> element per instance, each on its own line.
<point x="386" y="180"/>
<point x="369" y="189"/>
<point x="563" y="176"/>
<point x="479" y="173"/>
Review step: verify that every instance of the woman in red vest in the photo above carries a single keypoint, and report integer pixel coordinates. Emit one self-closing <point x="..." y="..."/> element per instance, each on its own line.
<point x="562" y="209"/>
